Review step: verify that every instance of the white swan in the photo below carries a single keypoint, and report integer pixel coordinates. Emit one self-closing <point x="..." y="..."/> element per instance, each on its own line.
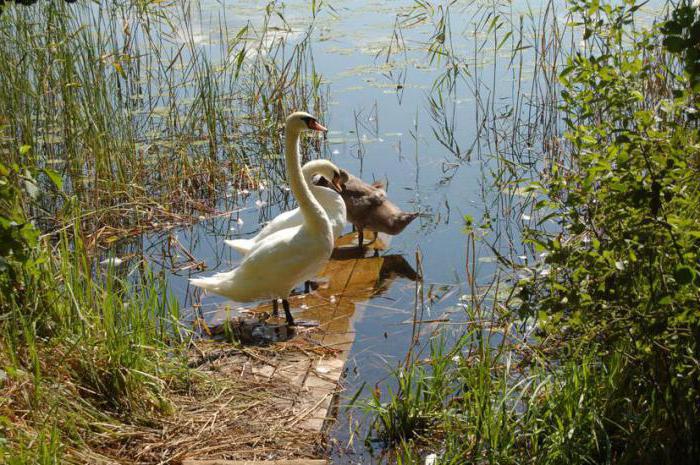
<point x="328" y="197"/>
<point x="289" y="256"/>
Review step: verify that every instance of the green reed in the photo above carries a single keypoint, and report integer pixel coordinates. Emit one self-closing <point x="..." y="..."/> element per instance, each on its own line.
<point x="130" y="104"/>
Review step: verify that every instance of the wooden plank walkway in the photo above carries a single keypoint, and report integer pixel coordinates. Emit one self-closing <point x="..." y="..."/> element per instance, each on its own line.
<point x="349" y="280"/>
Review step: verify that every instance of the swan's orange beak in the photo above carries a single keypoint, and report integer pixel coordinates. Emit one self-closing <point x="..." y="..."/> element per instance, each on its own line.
<point x="337" y="184"/>
<point x="314" y="125"/>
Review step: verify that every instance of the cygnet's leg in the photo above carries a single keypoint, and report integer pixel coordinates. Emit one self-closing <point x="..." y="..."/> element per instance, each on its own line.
<point x="275" y="308"/>
<point x="360" y="236"/>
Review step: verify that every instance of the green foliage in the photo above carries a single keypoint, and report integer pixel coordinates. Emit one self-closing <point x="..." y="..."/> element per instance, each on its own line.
<point x="78" y="345"/>
<point x="17" y="235"/>
<point x="682" y="38"/>
<point x="624" y="273"/>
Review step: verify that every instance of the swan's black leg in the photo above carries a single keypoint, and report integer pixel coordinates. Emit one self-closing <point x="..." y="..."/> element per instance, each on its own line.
<point x="307" y="287"/>
<point x="287" y="313"/>
<point x="360" y="236"/>
<point x="275" y="308"/>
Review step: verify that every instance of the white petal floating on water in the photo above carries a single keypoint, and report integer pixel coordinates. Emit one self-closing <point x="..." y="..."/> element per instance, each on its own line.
<point x="260" y="203"/>
<point x="112" y="261"/>
<point x="336" y="152"/>
<point x="239" y="221"/>
<point x="526" y="217"/>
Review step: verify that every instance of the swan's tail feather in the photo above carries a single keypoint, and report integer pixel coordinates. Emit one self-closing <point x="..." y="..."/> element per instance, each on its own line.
<point x="217" y="283"/>
<point x="241" y="246"/>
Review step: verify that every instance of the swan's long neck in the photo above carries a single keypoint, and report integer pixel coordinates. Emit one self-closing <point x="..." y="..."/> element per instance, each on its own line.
<point x="314" y="215"/>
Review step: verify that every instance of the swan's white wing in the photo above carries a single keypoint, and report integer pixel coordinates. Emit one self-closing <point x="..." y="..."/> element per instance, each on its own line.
<point x="288" y="219"/>
<point x="331" y="202"/>
<point x="273" y="267"/>
<point x="282" y="221"/>
<point x="242" y="246"/>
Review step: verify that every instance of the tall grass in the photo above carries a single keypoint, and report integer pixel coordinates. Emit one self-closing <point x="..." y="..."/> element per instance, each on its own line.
<point x="138" y="105"/>
<point x="81" y="350"/>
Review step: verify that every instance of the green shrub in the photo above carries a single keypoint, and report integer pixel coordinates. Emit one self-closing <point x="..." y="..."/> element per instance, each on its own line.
<point x="624" y="277"/>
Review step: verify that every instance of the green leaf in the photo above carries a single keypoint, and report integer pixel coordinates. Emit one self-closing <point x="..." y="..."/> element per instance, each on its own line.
<point x="684" y="275"/>
<point x="55" y="178"/>
<point x="675" y="44"/>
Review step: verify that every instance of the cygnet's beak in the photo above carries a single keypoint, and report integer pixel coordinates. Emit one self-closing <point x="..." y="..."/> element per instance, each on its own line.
<point x="316" y="126"/>
<point x="337" y="184"/>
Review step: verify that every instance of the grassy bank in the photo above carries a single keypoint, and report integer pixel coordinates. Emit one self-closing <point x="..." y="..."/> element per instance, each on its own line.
<point x="82" y="351"/>
<point x="593" y="357"/>
<point x="96" y="365"/>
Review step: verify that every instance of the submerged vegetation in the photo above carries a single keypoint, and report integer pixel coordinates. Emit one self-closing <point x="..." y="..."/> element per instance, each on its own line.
<point x="593" y="356"/>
